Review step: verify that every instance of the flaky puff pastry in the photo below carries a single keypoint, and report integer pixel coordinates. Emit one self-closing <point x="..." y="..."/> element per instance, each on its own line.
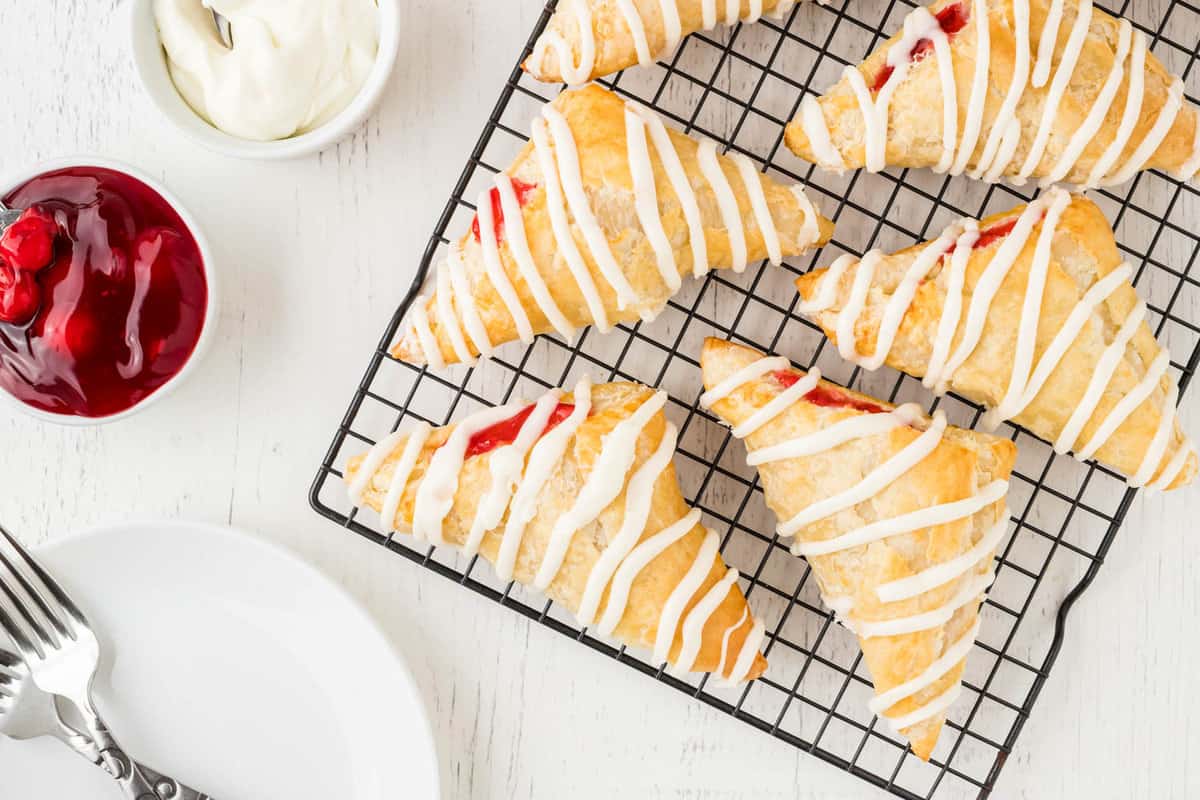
<point x="1055" y="89"/>
<point x="901" y="551"/>
<point x="575" y="495"/>
<point x="1030" y="312"/>
<point x="588" y="39"/>
<point x="613" y="210"/>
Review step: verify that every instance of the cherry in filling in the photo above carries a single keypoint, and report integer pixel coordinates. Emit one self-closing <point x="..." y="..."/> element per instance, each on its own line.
<point x="118" y="306"/>
<point x="522" y="190"/>
<point x="951" y="19"/>
<point x="505" y="431"/>
<point x="826" y="395"/>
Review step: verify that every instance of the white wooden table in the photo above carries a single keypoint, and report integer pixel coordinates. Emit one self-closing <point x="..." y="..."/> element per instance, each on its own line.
<point x="314" y="255"/>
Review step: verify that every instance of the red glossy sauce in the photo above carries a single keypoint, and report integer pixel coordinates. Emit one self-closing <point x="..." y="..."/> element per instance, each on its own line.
<point x="952" y="19"/>
<point x="824" y="395"/>
<point x="505" y="431"/>
<point x="120" y="306"/>
<point x="989" y="236"/>
<point x="521" y="189"/>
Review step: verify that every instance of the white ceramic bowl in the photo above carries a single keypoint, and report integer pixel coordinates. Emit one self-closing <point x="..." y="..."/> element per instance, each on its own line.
<point x="150" y="61"/>
<point x="212" y="312"/>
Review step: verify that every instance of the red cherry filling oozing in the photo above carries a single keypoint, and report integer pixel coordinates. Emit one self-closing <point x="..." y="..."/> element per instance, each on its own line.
<point x="522" y="191"/>
<point x="826" y="395"/>
<point x="505" y="431"/>
<point x="117" y="308"/>
<point x="951" y="19"/>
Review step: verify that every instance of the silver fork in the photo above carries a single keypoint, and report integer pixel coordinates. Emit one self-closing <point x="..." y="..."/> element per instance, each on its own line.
<point x="62" y="654"/>
<point x="26" y="712"/>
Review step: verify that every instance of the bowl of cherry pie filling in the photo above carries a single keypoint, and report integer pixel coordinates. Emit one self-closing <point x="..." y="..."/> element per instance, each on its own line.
<point x="107" y="298"/>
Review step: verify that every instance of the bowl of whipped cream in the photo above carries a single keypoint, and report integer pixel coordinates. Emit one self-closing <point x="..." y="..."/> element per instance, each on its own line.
<point x="291" y="79"/>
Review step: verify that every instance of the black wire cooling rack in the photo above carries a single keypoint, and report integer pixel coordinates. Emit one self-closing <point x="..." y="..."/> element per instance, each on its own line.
<point x="740" y="86"/>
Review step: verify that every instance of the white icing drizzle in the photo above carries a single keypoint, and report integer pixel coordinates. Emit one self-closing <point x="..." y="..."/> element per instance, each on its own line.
<point x="1028" y="377"/>
<point x="494" y="267"/>
<point x="435" y="495"/>
<point x="932" y="708"/>
<point x="1173" y="468"/>
<point x="698" y="617"/>
<point x="970" y="591"/>
<point x="731" y="217"/>
<point x="447" y="320"/>
<point x="563" y="239"/>
<point x="677" y="175"/>
<point x="1001" y="144"/>
<point x="720" y="670"/>
<point x="574" y="74"/>
<point x="1058" y="86"/>
<point x="1189" y="168"/>
<point x="907" y="523"/>
<point x="779" y="404"/>
<point x="518" y="245"/>
<point x="875" y="481"/>
<point x="371" y="463"/>
<point x="637" y="29"/>
<point x="1158" y="445"/>
<point x="949" y="659"/>
<point x="668" y="622"/>
<point x="572" y="184"/>
<point x="753" y="370"/>
<point x="838" y="433"/>
<point x="506" y="466"/>
<point x="543" y="460"/>
<point x="638" y="496"/>
<point x="746" y="655"/>
<point x="758" y="202"/>
<point x="464" y="301"/>
<point x="429" y="342"/>
<point x="646" y="198"/>
<point x="635" y="562"/>
<point x="402" y="472"/>
<point x="519" y="470"/>
<point x="943" y="573"/>
<point x="604" y="482"/>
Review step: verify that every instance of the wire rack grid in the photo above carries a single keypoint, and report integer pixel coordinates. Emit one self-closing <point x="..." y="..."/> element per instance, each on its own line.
<point x="740" y="86"/>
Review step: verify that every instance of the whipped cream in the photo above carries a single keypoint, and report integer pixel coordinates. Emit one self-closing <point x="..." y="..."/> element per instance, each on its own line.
<point x="293" y="65"/>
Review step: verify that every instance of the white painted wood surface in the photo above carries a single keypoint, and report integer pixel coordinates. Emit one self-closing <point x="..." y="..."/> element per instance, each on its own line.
<point x="314" y="255"/>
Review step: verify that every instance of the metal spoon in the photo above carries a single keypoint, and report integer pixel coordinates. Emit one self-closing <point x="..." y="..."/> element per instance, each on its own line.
<point x="223" y="28"/>
<point x="8" y="216"/>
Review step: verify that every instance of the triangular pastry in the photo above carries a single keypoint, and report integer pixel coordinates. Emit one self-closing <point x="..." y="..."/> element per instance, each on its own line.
<point x="1049" y="89"/>
<point x="898" y="514"/>
<point x="575" y="495"/>
<point x="588" y="39"/>
<point x="1030" y="312"/>
<point x="596" y="222"/>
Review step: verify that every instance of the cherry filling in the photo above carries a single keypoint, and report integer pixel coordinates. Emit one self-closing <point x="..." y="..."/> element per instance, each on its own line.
<point x="951" y="19"/>
<point x="522" y="191"/>
<point x="505" y="431"/>
<point x="988" y="236"/>
<point x="117" y="306"/>
<point x="827" y="396"/>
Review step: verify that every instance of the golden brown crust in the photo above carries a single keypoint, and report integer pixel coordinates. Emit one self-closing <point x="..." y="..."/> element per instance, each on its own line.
<point x="614" y="41"/>
<point x="1083" y="251"/>
<point x="597" y="120"/>
<point x="915" y="116"/>
<point x="611" y="403"/>
<point x="961" y="464"/>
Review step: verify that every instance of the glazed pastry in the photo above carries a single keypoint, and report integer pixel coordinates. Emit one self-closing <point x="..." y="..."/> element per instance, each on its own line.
<point x="898" y="514"/>
<point x="587" y="39"/>
<point x="596" y="222"/>
<point x="1031" y="313"/>
<point x="1049" y="89"/>
<point x="576" y="496"/>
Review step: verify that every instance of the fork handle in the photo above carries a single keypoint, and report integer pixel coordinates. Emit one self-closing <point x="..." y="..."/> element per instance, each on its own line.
<point x="142" y="783"/>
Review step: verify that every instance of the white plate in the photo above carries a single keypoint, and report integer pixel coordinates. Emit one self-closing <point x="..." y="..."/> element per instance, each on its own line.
<point x="237" y="668"/>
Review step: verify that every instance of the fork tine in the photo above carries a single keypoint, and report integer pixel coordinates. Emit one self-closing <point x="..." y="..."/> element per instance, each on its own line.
<point x="28" y="647"/>
<point x="60" y="626"/>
